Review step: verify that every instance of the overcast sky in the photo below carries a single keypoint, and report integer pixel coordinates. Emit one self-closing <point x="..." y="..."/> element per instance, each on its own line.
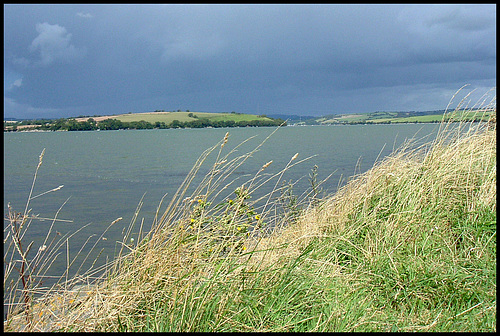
<point x="70" y="60"/>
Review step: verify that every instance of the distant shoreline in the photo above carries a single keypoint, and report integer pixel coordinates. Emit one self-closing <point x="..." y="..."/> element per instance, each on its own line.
<point x="187" y="119"/>
<point x="28" y="130"/>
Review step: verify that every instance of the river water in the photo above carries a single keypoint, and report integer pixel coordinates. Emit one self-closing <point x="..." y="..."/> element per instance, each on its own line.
<point x="105" y="174"/>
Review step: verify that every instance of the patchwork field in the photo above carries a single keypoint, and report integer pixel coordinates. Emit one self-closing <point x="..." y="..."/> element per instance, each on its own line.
<point x="402" y="117"/>
<point x="168" y="117"/>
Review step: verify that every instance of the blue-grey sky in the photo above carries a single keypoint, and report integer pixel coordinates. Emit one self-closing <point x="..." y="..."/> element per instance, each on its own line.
<point x="70" y="60"/>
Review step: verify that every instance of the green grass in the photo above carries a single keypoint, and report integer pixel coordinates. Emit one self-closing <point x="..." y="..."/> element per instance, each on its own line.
<point x="420" y="119"/>
<point x="462" y="116"/>
<point x="410" y="245"/>
<point x="392" y="117"/>
<point x="185" y="116"/>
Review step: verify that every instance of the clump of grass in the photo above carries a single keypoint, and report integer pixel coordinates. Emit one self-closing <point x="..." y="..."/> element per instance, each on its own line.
<point x="199" y="247"/>
<point x="409" y="245"/>
<point x="416" y="233"/>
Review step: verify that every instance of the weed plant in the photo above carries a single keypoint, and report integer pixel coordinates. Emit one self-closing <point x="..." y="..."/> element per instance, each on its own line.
<point x="409" y="245"/>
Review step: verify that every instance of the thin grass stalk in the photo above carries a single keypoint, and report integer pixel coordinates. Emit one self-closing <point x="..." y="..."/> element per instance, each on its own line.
<point x="95" y="244"/>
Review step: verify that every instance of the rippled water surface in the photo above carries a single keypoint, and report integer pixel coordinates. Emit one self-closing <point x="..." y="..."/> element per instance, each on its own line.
<point x="106" y="173"/>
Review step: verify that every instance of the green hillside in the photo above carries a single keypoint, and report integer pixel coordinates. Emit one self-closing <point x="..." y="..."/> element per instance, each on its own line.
<point x="401" y="117"/>
<point x="147" y="120"/>
<point x="169" y="117"/>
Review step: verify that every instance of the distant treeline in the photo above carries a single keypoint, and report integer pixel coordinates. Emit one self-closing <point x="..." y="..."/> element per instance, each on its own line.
<point x="115" y="124"/>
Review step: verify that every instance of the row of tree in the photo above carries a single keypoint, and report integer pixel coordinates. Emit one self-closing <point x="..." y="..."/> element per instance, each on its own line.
<point x="115" y="124"/>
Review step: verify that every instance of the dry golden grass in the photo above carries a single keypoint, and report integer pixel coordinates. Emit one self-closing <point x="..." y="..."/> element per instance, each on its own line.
<point x="410" y="181"/>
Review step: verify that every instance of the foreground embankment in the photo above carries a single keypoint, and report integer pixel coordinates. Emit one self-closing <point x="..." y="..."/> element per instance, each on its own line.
<point x="410" y="245"/>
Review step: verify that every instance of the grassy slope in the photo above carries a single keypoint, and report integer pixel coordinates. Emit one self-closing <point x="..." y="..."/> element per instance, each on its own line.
<point x="184" y="116"/>
<point x="384" y="117"/>
<point x="408" y="246"/>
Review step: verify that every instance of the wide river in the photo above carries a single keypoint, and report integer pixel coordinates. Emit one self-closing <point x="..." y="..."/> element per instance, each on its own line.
<point x="106" y="173"/>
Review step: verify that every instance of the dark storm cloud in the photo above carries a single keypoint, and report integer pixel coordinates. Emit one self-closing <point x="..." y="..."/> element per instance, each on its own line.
<point x="308" y="59"/>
